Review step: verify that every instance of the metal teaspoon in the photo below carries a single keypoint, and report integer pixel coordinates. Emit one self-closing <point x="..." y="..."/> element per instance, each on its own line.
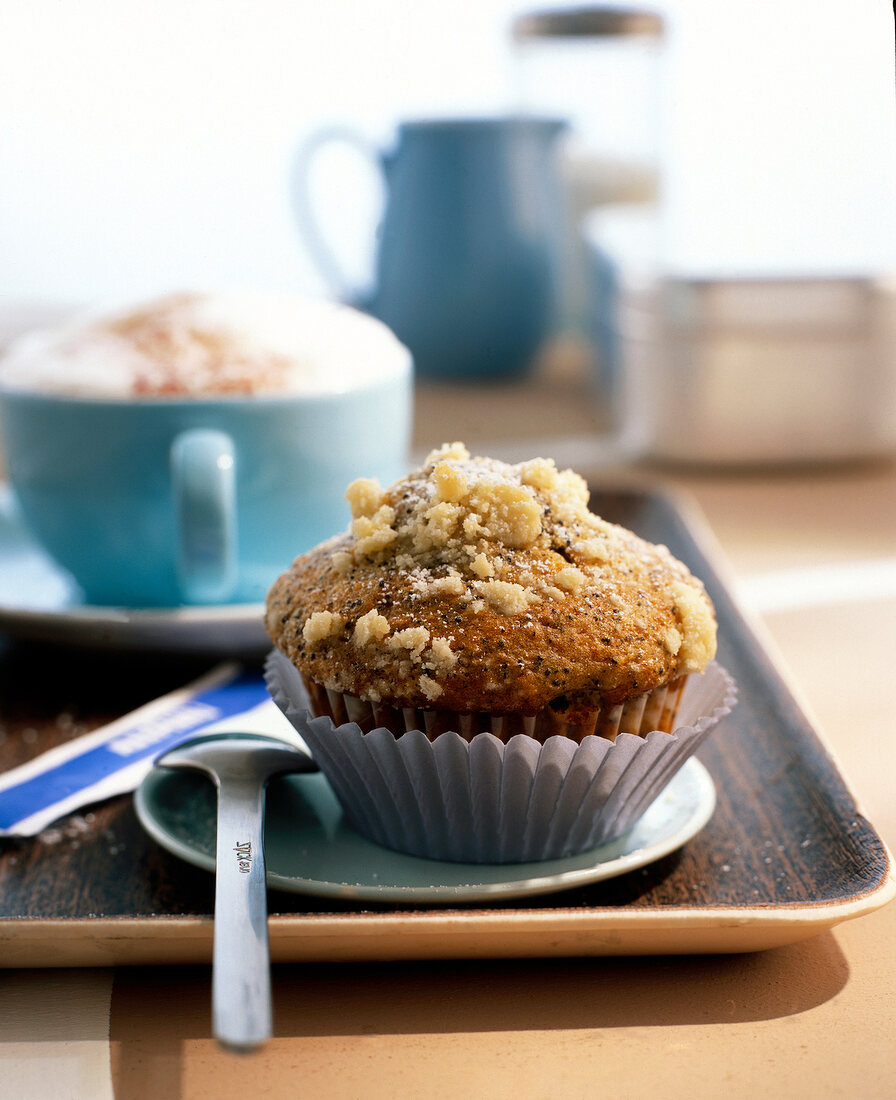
<point x="241" y="766"/>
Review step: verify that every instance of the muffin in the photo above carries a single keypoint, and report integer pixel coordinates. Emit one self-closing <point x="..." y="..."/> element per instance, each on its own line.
<point x="479" y="641"/>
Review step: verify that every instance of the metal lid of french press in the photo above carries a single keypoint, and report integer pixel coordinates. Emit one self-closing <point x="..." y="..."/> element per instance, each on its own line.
<point x="588" y="22"/>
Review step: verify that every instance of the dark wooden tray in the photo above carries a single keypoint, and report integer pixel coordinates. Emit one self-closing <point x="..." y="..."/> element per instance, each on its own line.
<point x="787" y="854"/>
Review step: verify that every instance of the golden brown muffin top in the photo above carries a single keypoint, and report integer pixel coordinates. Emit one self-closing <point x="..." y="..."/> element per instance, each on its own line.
<point x="474" y="585"/>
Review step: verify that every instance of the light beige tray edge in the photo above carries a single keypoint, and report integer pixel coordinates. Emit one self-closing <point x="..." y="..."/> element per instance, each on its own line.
<point x="440" y="934"/>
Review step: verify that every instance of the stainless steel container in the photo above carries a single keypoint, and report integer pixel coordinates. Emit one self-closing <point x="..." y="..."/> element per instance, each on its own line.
<point x="759" y="370"/>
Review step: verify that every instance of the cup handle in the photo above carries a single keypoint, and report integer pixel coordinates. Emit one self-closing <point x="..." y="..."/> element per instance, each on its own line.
<point x="309" y="225"/>
<point x="203" y="483"/>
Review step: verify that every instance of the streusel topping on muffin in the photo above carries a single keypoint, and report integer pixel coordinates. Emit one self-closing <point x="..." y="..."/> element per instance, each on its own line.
<point x="475" y="585"/>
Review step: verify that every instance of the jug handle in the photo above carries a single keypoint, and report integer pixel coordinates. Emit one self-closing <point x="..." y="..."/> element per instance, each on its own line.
<point x="306" y="216"/>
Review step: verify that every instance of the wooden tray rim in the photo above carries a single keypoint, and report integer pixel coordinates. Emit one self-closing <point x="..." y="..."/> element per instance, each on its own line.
<point x="368" y="937"/>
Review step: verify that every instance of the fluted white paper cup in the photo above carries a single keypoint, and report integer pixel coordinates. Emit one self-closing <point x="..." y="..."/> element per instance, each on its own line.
<point x="486" y="801"/>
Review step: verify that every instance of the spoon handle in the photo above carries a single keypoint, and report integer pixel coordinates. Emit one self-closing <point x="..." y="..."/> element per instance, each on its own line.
<point x="241" y="978"/>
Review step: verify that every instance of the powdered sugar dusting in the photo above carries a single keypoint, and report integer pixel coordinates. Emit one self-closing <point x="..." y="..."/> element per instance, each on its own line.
<point x="483" y="554"/>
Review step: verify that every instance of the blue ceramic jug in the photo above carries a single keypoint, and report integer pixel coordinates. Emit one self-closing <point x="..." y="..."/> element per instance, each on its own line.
<point x="466" y="266"/>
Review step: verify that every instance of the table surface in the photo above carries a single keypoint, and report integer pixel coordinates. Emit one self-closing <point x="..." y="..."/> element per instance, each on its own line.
<point x="813" y="553"/>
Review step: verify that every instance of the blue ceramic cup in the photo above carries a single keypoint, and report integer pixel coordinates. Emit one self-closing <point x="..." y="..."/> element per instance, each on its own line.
<point x="467" y="262"/>
<point x="157" y="502"/>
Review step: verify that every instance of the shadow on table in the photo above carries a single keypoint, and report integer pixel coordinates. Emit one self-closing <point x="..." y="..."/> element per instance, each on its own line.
<point x="160" y="1017"/>
<point x="497" y="995"/>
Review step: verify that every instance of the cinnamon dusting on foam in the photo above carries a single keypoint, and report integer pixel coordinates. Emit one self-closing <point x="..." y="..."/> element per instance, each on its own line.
<point x="223" y="344"/>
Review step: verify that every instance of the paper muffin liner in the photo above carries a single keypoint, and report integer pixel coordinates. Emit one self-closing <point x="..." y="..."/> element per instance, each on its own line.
<point x="484" y="800"/>
<point x="654" y="710"/>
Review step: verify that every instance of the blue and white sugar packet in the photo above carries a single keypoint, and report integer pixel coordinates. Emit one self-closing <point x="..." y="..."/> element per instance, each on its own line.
<point x="115" y="758"/>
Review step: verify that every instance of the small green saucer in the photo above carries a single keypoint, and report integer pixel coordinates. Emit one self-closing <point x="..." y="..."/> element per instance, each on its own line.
<point x="310" y="849"/>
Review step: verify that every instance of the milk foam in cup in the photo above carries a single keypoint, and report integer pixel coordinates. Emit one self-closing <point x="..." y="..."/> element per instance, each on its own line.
<point x="185" y="450"/>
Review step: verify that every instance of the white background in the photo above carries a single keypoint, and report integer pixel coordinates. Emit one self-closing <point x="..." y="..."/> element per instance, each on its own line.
<point x="146" y="146"/>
